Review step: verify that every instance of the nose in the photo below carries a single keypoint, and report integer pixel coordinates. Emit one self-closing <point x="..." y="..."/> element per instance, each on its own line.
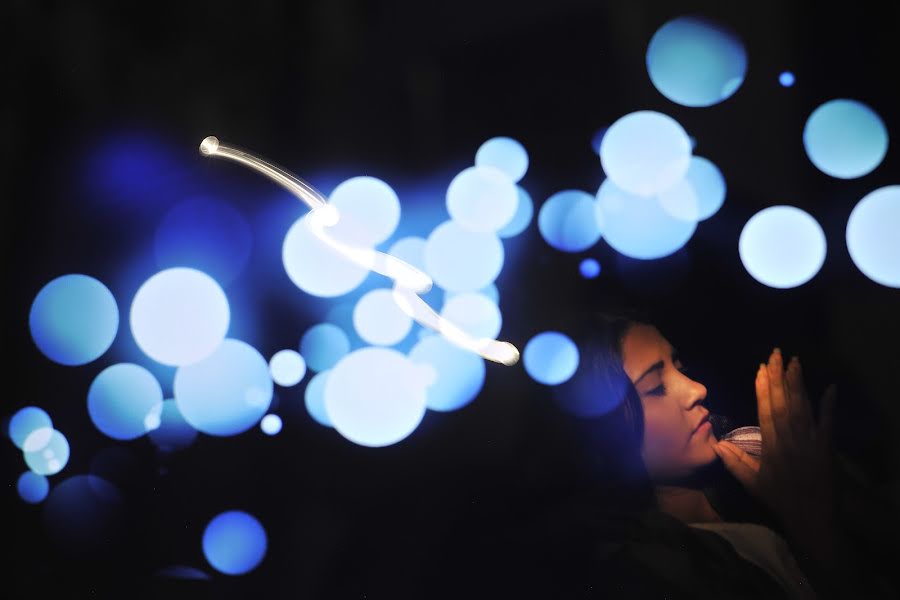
<point x="697" y="394"/>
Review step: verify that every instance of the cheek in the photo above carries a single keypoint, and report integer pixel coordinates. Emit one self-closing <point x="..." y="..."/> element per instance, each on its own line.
<point x="664" y="435"/>
<point x="668" y="447"/>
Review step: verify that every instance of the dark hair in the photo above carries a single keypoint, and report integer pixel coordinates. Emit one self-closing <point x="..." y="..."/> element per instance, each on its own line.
<point x="581" y="512"/>
<point x="605" y="411"/>
<point x="607" y="420"/>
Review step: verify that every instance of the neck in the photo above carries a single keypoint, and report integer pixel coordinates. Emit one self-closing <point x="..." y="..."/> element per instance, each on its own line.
<point x="687" y="504"/>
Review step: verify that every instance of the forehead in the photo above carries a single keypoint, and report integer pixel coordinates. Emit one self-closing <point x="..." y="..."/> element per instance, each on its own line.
<point x="642" y="346"/>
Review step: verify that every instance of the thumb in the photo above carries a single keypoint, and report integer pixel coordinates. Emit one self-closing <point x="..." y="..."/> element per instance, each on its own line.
<point x="740" y="464"/>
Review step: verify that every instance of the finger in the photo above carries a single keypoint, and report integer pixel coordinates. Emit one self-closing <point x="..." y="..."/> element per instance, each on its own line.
<point x="745" y="457"/>
<point x="741" y="471"/>
<point x="778" y="398"/>
<point x="825" y="428"/>
<point x="800" y="412"/>
<point x="764" y="410"/>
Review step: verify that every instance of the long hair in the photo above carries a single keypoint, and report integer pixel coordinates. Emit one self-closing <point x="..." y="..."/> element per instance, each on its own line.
<point x="607" y="420"/>
<point x="604" y="407"/>
<point x="592" y="521"/>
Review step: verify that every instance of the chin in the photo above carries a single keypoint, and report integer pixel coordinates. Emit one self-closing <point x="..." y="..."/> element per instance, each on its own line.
<point x="708" y="457"/>
<point x="702" y="450"/>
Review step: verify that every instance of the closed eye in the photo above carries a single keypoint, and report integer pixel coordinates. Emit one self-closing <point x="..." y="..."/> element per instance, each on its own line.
<point x="660" y="390"/>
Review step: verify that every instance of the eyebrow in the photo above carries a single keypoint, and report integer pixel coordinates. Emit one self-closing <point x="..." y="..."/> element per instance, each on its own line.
<point x="656" y="366"/>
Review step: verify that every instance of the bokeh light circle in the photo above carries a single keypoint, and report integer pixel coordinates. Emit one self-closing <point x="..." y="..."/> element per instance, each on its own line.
<point x="369" y="211"/>
<point x="474" y="313"/>
<point x="287" y="368"/>
<point x="696" y="62"/>
<point x="505" y="154"/>
<point x="645" y="153"/>
<point x="37" y="439"/>
<point x="460" y="260"/>
<point x="379" y="320"/>
<point x="50" y="455"/>
<point x="490" y="292"/>
<point x="639" y="227"/>
<point x="550" y="358"/>
<point x="234" y="542"/>
<point x="873" y="236"/>
<point x="32" y="487"/>
<point x="590" y="392"/>
<point x="459" y="374"/>
<point x="323" y="345"/>
<point x="845" y="139"/>
<point x="226" y="393"/>
<point x="317" y="268"/>
<point x="271" y="424"/>
<point x="567" y="221"/>
<point x="179" y="316"/>
<point x="410" y="249"/>
<point x="173" y="433"/>
<point x="25" y="421"/>
<point x="374" y="397"/>
<point x="482" y="199"/>
<point x="74" y="319"/>
<point x="699" y="195"/>
<point x="83" y="515"/>
<point x="787" y="79"/>
<point x="121" y="398"/>
<point x="314" y="398"/>
<point x="782" y="246"/>
<point x="589" y="268"/>
<point x="522" y="218"/>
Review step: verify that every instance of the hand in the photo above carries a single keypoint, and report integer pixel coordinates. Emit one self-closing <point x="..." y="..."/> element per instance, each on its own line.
<point x="793" y="474"/>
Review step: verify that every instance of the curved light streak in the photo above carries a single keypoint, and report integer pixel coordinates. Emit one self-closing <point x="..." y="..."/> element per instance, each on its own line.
<point x="409" y="281"/>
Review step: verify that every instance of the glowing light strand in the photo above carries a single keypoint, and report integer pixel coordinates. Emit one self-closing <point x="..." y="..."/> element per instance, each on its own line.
<point x="409" y="281"/>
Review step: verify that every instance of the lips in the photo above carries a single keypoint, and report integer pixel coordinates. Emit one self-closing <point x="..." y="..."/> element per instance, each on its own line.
<point x="704" y="420"/>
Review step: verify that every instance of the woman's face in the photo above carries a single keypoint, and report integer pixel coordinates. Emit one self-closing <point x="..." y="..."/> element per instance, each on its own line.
<point x="677" y="434"/>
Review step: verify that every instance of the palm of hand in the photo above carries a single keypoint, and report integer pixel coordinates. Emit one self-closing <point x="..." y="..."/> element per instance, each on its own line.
<point x="793" y="474"/>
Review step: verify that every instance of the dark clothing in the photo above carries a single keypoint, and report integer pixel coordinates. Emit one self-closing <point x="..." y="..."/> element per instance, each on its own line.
<point x="575" y="548"/>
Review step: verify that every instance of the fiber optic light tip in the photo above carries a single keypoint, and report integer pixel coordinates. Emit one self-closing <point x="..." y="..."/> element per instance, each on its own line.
<point x="209" y="145"/>
<point x="507" y="354"/>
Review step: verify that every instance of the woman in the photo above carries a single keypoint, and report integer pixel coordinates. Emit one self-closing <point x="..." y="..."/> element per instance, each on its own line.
<point x="678" y="442"/>
<point x="659" y="516"/>
<point x="632" y="379"/>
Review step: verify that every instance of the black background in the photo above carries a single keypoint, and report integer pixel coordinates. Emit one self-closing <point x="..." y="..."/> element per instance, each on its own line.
<point x="398" y="89"/>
